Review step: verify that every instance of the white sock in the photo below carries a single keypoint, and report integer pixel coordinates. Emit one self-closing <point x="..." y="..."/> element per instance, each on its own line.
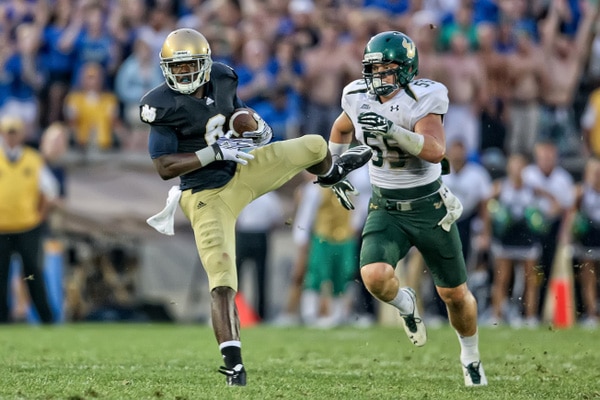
<point x="309" y="306"/>
<point x="338" y="309"/>
<point x="469" y="348"/>
<point x="403" y="302"/>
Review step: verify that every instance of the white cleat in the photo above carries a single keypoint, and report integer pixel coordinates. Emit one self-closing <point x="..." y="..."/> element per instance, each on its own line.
<point x="413" y="324"/>
<point x="474" y="374"/>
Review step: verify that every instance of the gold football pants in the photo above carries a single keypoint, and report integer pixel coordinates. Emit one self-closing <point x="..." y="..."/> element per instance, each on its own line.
<point x="213" y="212"/>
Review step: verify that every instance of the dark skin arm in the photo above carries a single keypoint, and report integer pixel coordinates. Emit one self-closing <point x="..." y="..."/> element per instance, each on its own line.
<point x="173" y="165"/>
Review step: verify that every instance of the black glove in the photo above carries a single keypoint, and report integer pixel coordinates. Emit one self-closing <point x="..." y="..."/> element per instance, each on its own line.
<point x="375" y="124"/>
<point x="342" y="190"/>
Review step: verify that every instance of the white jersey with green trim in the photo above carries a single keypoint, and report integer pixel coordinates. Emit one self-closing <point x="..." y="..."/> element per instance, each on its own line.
<point x="391" y="166"/>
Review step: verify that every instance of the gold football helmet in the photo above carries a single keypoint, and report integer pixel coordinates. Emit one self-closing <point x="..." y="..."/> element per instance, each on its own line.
<point x="181" y="47"/>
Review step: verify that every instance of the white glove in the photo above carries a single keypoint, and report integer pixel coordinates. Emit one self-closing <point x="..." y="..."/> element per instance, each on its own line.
<point x="454" y="208"/>
<point x="214" y="152"/>
<point x="231" y="154"/>
<point x="245" y="145"/>
<point x="262" y="135"/>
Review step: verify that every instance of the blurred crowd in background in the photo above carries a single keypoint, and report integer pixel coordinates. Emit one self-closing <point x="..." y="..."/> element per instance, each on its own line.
<point x="523" y="127"/>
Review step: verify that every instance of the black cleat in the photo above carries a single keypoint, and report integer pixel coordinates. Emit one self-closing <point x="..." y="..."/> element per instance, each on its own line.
<point x="350" y="160"/>
<point x="236" y="376"/>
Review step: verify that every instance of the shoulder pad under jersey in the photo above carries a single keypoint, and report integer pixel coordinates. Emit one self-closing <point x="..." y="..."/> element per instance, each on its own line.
<point x="157" y="104"/>
<point x="429" y="95"/>
<point x="357" y="86"/>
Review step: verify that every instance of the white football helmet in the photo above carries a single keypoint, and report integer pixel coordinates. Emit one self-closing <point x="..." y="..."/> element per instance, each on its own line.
<point x="184" y="45"/>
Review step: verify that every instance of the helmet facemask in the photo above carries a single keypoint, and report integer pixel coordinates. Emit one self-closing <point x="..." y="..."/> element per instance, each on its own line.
<point x="376" y="81"/>
<point x="187" y="82"/>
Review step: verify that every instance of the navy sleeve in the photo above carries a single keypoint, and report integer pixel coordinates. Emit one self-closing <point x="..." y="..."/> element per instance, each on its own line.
<point x="162" y="141"/>
<point x="238" y="103"/>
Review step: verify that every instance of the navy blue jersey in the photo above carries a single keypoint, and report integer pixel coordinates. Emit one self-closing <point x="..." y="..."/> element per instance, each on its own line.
<point x="182" y="123"/>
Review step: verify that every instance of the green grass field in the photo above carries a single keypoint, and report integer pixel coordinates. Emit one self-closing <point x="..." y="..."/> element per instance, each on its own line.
<point x="146" y="361"/>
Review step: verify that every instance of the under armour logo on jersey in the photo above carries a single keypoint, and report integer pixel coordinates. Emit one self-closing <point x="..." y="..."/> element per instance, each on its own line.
<point x="395" y="108"/>
<point x="148" y="113"/>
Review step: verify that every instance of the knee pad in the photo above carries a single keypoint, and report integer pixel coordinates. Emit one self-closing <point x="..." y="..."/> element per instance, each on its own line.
<point x="316" y="144"/>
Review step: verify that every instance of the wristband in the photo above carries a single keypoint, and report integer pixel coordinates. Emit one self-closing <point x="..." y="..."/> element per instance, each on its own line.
<point x="337" y="149"/>
<point x="209" y="154"/>
<point x="410" y="141"/>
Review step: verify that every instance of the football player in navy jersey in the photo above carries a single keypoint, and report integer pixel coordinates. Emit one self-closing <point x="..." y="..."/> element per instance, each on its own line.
<point x="220" y="173"/>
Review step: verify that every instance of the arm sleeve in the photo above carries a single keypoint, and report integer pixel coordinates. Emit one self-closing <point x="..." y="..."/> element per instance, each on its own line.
<point x="162" y="141"/>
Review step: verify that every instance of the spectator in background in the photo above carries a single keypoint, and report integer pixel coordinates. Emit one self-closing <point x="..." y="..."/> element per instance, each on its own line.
<point x="54" y="144"/>
<point x="324" y="81"/>
<point x="27" y="76"/>
<point x="564" y="57"/>
<point x="548" y="177"/>
<point x="300" y="24"/>
<point x="27" y="191"/>
<point x="14" y="13"/>
<point x="590" y="124"/>
<point x="253" y="231"/>
<point x="461" y="23"/>
<point x="282" y="112"/>
<point x="472" y="185"/>
<point x="59" y="63"/>
<point x="288" y="69"/>
<point x="88" y="37"/>
<point x="286" y="65"/>
<point x="326" y="233"/>
<point x="514" y="240"/>
<point x="136" y="75"/>
<point x="527" y="80"/>
<point x="426" y="40"/>
<point x="224" y="27"/>
<point x="357" y="27"/>
<point x="92" y="111"/>
<point x="493" y="118"/>
<point x="464" y="77"/>
<point x="584" y="225"/>
<point x="253" y="71"/>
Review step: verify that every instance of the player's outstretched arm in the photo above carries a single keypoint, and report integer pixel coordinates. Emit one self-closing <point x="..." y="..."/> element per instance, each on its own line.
<point x="173" y="165"/>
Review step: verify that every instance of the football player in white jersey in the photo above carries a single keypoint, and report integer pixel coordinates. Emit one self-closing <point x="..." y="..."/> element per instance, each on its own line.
<point x="400" y="118"/>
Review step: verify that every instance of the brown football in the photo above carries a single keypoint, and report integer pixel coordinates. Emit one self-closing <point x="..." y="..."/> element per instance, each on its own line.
<point x="242" y="121"/>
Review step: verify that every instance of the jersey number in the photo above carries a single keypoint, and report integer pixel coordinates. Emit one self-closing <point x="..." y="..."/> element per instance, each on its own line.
<point x="395" y="156"/>
<point x="214" y="128"/>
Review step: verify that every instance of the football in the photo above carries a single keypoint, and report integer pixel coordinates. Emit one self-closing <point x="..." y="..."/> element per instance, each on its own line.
<point x="242" y="121"/>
